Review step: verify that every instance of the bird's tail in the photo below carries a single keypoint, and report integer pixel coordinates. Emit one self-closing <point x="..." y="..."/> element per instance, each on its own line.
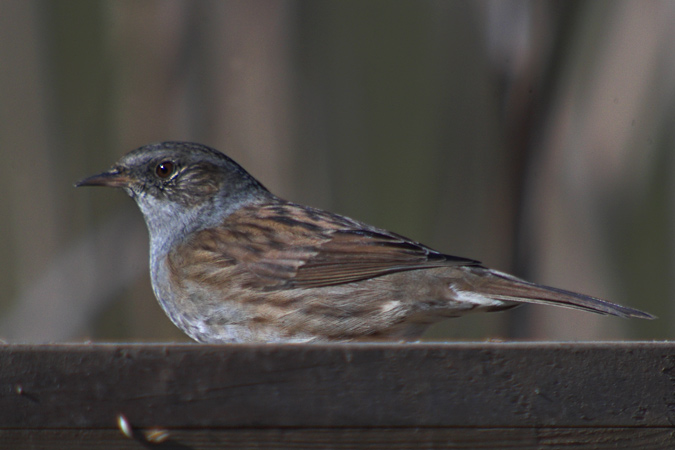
<point x="501" y="286"/>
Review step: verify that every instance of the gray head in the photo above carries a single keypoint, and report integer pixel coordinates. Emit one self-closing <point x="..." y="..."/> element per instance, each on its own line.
<point x="181" y="186"/>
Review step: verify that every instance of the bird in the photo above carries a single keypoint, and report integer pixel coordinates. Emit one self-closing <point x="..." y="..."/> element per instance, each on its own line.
<point x="230" y="262"/>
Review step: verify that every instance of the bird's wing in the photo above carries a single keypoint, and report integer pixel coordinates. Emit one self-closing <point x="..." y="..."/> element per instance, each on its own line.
<point x="353" y="255"/>
<point x="291" y="246"/>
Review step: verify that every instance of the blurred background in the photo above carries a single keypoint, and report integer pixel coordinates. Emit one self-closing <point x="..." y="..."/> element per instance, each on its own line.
<point x="535" y="136"/>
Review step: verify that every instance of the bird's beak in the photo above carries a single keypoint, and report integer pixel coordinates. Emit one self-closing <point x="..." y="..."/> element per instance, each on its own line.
<point x="113" y="178"/>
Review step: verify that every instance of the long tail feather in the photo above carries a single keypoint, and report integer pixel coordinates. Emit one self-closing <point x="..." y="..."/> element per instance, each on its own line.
<point x="505" y="287"/>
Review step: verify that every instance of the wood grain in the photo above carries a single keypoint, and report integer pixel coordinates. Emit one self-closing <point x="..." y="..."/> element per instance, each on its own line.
<point x="522" y="395"/>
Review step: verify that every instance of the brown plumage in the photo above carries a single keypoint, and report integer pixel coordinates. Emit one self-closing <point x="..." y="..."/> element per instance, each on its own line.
<point x="231" y="262"/>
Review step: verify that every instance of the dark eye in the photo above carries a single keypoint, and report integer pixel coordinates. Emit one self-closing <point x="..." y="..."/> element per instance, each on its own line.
<point x="165" y="169"/>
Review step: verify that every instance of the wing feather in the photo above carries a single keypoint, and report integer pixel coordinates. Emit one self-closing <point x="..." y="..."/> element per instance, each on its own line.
<point x="291" y="246"/>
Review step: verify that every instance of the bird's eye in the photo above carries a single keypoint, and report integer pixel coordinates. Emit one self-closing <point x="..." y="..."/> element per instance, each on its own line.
<point x="165" y="169"/>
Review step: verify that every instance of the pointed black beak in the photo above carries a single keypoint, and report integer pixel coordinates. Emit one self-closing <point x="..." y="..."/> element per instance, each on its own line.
<point x="113" y="178"/>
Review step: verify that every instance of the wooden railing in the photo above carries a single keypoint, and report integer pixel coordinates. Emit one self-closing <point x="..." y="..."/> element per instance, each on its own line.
<point x="383" y="396"/>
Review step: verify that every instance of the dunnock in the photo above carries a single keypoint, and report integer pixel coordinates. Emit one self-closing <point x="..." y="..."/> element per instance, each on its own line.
<point x="231" y="262"/>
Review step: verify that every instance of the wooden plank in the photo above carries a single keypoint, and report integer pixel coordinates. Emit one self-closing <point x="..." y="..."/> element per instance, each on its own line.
<point x="531" y="394"/>
<point x="350" y="438"/>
